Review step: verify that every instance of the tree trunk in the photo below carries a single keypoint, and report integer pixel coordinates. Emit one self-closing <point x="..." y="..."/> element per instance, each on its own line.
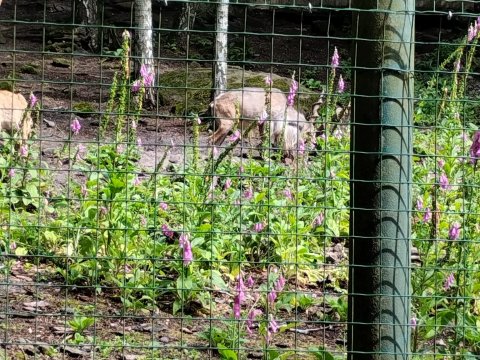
<point x="186" y="21"/>
<point x="86" y="13"/>
<point x="144" y="43"/>
<point x="221" y="48"/>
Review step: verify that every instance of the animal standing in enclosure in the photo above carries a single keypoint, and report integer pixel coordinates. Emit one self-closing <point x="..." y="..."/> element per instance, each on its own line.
<point x="288" y="127"/>
<point x="13" y="115"/>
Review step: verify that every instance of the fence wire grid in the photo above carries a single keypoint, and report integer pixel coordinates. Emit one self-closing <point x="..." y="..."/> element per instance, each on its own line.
<point x="127" y="234"/>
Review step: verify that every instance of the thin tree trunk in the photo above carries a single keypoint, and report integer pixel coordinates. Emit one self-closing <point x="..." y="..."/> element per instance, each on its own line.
<point x="87" y="14"/>
<point x="144" y="42"/>
<point x="186" y="20"/>
<point x="221" y="48"/>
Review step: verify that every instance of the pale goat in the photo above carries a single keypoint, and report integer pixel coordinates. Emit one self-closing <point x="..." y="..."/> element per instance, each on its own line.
<point x="12" y="113"/>
<point x="287" y="126"/>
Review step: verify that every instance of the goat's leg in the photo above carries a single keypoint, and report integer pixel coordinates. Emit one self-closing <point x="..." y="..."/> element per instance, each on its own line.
<point x="224" y="126"/>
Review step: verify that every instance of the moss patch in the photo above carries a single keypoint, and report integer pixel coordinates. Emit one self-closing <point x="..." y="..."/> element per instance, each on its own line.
<point x="190" y="92"/>
<point x="82" y="108"/>
<point x="32" y="69"/>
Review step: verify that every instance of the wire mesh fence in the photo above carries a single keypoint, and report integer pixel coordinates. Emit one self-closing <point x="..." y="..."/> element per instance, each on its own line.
<point x="127" y="234"/>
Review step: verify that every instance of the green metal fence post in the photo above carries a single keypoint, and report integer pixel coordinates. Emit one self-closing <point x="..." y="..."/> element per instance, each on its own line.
<point x="379" y="285"/>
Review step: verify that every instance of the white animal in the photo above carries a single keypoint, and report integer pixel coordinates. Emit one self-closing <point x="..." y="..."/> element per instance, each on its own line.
<point x="12" y="113"/>
<point x="287" y="126"/>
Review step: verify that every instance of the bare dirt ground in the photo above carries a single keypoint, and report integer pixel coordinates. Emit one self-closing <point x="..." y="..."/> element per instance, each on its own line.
<point x="35" y="304"/>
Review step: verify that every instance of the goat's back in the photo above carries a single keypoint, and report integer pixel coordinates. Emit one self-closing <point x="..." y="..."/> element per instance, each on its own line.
<point x="252" y="102"/>
<point x="12" y="107"/>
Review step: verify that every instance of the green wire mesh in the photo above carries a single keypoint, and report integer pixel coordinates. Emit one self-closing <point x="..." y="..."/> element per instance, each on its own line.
<point x="126" y="235"/>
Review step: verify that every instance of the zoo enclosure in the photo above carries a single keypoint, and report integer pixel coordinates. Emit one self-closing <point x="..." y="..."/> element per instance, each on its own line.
<point x="145" y="258"/>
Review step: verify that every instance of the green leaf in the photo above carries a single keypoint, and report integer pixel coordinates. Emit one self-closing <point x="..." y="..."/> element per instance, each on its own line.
<point x="225" y="353"/>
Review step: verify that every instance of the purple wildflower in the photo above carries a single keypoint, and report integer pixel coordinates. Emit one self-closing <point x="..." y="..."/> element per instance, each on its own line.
<point x="237" y="306"/>
<point x="292" y="93"/>
<point x="272" y="328"/>
<point x="241" y="289"/>
<point x="454" y="231"/>
<point x="250" y="282"/>
<point x="187" y="253"/>
<point x="419" y="204"/>
<point x="143" y="221"/>
<point x="166" y="231"/>
<point x="182" y="240"/>
<point x="413" y="322"/>
<point x="248" y="193"/>
<point x="341" y="85"/>
<point x="163" y="206"/>
<point x="136" y="181"/>
<point x="472" y="32"/>
<point x="427" y="216"/>
<point x="318" y="221"/>
<point x="475" y="148"/>
<point x="444" y="182"/>
<point x="75" y="126"/>
<point x="147" y="74"/>
<point x="288" y="194"/>
<point x="280" y="284"/>
<point x="11" y="172"/>
<point x="24" y="151"/>
<point x="228" y="184"/>
<point x="235" y="136"/>
<point x="136" y="86"/>
<point x="449" y="281"/>
<point x="32" y="100"/>
<point x="335" y="59"/>
<point x="272" y="296"/>
<point x="441" y="163"/>
<point x="258" y="227"/>
<point x="103" y="210"/>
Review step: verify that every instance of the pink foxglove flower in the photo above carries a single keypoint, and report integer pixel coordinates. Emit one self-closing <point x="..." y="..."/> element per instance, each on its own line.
<point x="187" y="253"/>
<point x="136" y="86"/>
<point x="75" y="126"/>
<point x="292" y="93"/>
<point x="147" y="75"/>
<point x="449" y="281"/>
<point x="32" y="101"/>
<point x="166" y="231"/>
<point x="335" y="59"/>
<point x="288" y="194"/>
<point x="454" y="231"/>
<point x="341" y="85"/>
<point x="235" y="136"/>
<point x="413" y="322"/>
<point x="228" y="184"/>
<point x="258" y="227"/>
<point x="24" y="151"/>
<point x="163" y="206"/>
<point x="318" y="221"/>
<point x="248" y="193"/>
<point x="419" y="204"/>
<point x="444" y="184"/>
<point x="427" y="216"/>
<point x="475" y="148"/>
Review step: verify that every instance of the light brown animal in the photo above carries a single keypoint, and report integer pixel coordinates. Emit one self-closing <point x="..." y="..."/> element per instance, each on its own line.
<point x="12" y="113"/>
<point x="287" y="126"/>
